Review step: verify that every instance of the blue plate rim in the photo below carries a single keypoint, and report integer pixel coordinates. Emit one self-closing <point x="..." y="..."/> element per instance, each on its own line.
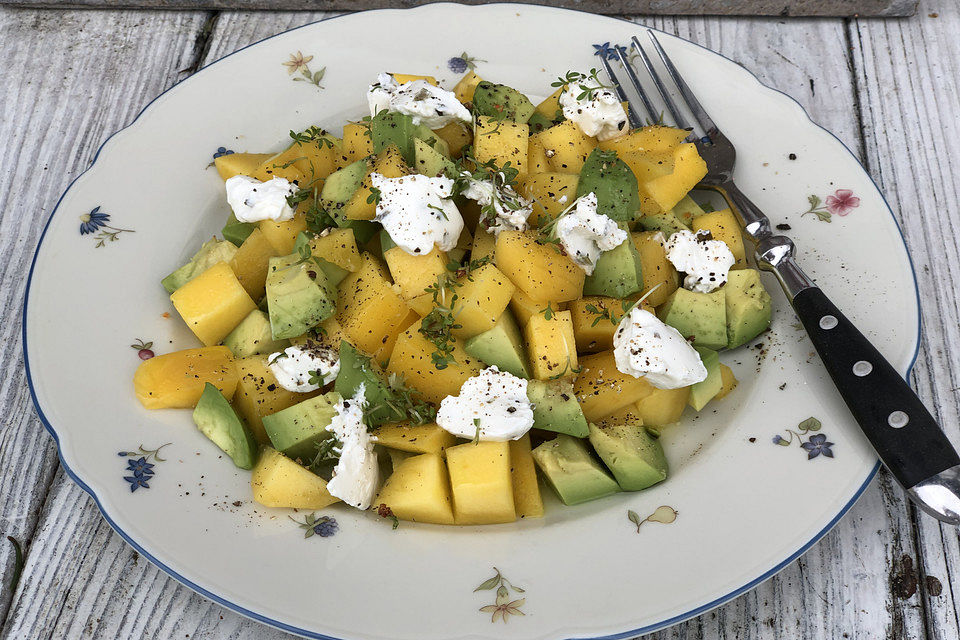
<point x="318" y="636"/>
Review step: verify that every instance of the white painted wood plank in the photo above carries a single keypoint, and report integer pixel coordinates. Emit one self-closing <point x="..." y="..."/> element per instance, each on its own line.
<point x="909" y="73"/>
<point x="69" y="80"/>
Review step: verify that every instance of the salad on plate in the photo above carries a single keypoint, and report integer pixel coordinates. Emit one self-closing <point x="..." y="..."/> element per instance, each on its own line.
<point x="461" y="294"/>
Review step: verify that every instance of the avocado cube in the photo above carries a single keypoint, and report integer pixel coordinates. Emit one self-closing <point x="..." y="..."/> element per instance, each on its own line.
<point x="431" y="162"/>
<point x="501" y="346"/>
<point x="572" y="471"/>
<point x="634" y="456"/>
<point x="701" y="317"/>
<point x="618" y="273"/>
<point x="356" y="369"/>
<point x="297" y="431"/>
<point x="340" y="185"/>
<point x="217" y="420"/>
<point x="235" y="231"/>
<point x="555" y="407"/>
<point x="614" y="184"/>
<point x="212" y="252"/>
<point x="391" y="127"/>
<point x="335" y="273"/>
<point x="704" y="391"/>
<point x="538" y="122"/>
<point x="299" y="296"/>
<point x="502" y="102"/>
<point x="748" y="307"/>
<point x="667" y="223"/>
<point x="253" y="336"/>
<point x="686" y="210"/>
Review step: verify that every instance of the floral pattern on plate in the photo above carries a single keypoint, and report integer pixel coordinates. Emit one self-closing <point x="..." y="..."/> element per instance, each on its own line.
<point x="815" y="446"/>
<point x="140" y="467"/>
<point x="841" y="203"/>
<point x="97" y="222"/>
<point x="503" y="607"/>
<point x="299" y="63"/>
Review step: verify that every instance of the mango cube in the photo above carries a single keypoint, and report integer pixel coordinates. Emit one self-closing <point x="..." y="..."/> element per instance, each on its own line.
<point x="357" y="143"/>
<point x="370" y="309"/>
<point x="723" y="225"/>
<point x="550" y="192"/>
<point x="537" y="268"/>
<point x="501" y="141"/>
<point x="551" y="345"/>
<point x="523" y="474"/>
<point x="688" y="170"/>
<point x="339" y="247"/>
<point x="480" y="482"/>
<point x="482" y="296"/>
<point x="592" y="325"/>
<point x="235" y="164"/>
<point x="176" y="380"/>
<point x="419" y="490"/>
<point x="656" y="269"/>
<point x="413" y="274"/>
<point x="258" y="394"/>
<point x="566" y="146"/>
<point x="251" y="262"/>
<point x="283" y="234"/>
<point x="278" y="481"/>
<point x="602" y="389"/>
<point x="411" y="358"/>
<point x="213" y="303"/>
<point x="422" y="438"/>
<point x="663" y="406"/>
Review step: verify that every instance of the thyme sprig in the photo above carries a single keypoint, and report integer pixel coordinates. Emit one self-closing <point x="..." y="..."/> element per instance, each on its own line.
<point x="589" y="84"/>
<point x="438" y="325"/>
<point x="313" y="134"/>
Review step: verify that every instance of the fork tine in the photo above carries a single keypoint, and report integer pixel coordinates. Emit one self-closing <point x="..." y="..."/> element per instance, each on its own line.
<point x="631" y="115"/>
<point x="635" y="81"/>
<point x="704" y="120"/>
<point x="678" y="117"/>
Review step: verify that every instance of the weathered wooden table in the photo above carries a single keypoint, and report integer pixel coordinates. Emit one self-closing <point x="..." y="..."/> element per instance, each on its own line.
<point x="889" y="89"/>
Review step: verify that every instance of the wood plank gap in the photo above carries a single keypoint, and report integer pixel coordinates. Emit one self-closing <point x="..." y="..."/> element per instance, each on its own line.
<point x="848" y="28"/>
<point x="204" y="40"/>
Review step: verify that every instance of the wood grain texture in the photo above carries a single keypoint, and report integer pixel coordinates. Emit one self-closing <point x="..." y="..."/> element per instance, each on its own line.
<point x="908" y="74"/>
<point x="82" y="580"/>
<point x="80" y="76"/>
<point x="648" y="7"/>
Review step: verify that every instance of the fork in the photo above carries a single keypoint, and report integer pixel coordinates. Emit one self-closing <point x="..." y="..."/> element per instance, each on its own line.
<point x="906" y="437"/>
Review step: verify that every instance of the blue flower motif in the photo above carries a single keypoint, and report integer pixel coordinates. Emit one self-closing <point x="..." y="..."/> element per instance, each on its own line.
<point x="817" y="445"/>
<point x="140" y="467"/>
<point x="90" y="222"/>
<point x="222" y="151"/>
<point x="457" y="65"/>
<point x="138" y="481"/>
<point x="325" y="527"/>
<point x="605" y="51"/>
<point x="777" y="439"/>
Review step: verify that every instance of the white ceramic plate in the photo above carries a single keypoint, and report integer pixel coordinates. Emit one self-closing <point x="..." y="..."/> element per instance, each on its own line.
<point x="746" y="507"/>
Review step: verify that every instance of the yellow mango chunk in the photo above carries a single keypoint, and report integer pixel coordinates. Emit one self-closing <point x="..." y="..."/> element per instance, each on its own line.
<point x="279" y="165"/>
<point x="723" y="225"/>
<point x="592" y="329"/>
<point x="602" y="389"/>
<point x="551" y="105"/>
<point x="213" y="303"/>
<point x="688" y="170"/>
<point x="369" y="307"/>
<point x="411" y="359"/>
<point x="481" y="298"/>
<point x="401" y="78"/>
<point x="176" y="380"/>
<point x="278" y="481"/>
<point x="317" y="159"/>
<point x="251" y="262"/>
<point x="457" y="136"/>
<point x="729" y="382"/>
<point x="258" y="394"/>
<point x="283" y="234"/>
<point x="652" y="139"/>
<point x="550" y="192"/>
<point x="357" y="143"/>
<point x="536" y="156"/>
<point x="235" y="164"/>
<point x="524" y="307"/>
<point x="413" y="274"/>
<point x="484" y="245"/>
<point x="480" y="482"/>
<point x="656" y="269"/>
<point x="663" y="406"/>
<point x="422" y="438"/>
<point x="540" y="270"/>
<point x="551" y="345"/>
<point x="523" y="474"/>
<point x="566" y="146"/>
<point x="502" y="142"/>
<point x="338" y="246"/>
<point x="466" y="86"/>
<point x="419" y="490"/>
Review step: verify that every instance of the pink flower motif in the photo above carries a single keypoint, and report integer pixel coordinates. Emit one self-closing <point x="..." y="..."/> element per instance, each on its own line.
<point x="842" y="202"/>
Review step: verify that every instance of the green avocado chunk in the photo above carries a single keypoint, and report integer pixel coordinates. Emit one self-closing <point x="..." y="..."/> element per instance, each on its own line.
<point x="299" y="296"/>
<point x="704" y="391"/>
<point x="430" y="162"/>
<point x="701" y="317"/>
<point x="614" y="184"/>
<point x="297" y="431"/>
<point x="555" y="407"/>
<point x="235" y="231"/>
<point x="217" y="420"/>
<point x="212" y="252"/>
<point x="686" y="210"/>
<point x="667" y="223"/>
<point x="357" y="368"/>
<point x="634" y="456"/>
<point x="618" y="273"/>
<point x="253" y="336"/>
<point x="572" y="471"/>
<point x="390" y="127"/>
<point x="501" y="346"/>
<point x="501" y="101"/>
<point x="748" y="307"/>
